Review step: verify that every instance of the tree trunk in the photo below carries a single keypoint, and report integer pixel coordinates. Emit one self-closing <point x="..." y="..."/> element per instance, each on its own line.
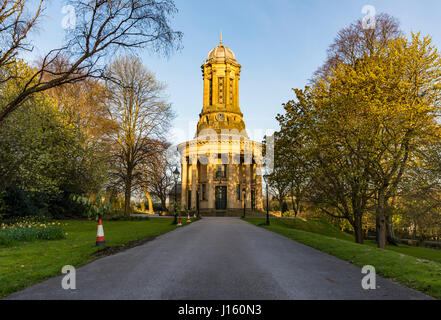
<point x="414" y="231"/>
<point x="381" y="221"/>
<point x="421" y="240"/>
<point x="297" y="212"/>
<point x="163" y="205"/>
<point x="390" y="233"/>
<point x="294" y="206"/>
<point x="281" y="206"/>
<point x="358" y="229"/>
<point x="390" y="227"/>
<point x="127" y="197"/>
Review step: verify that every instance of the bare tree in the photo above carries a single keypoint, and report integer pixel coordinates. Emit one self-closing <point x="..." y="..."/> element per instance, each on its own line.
<point x="159" y="175"/>
<point x="355" y="42"/>
<point x="103" y="27"/>
<point x="142" y="117"/>
<point x="15" y="25"/>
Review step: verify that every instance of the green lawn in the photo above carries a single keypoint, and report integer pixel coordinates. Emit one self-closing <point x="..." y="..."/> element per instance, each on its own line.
<point x="314" y="225"/>
<point x="27" y="263"/>
<point x="416" y="268"/>
<point x="418" y="252"/>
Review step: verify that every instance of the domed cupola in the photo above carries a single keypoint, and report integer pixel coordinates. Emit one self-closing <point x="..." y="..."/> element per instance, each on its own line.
<point x="221" y="53"/>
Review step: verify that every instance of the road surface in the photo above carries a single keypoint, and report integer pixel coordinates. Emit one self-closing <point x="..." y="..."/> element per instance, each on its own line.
<point x="219" y="258"/>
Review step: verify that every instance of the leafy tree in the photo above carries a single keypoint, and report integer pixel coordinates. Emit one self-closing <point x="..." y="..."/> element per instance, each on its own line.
<point x="367" y="113"/>
<point x="419" y="194"/>
<point x="43" y="157"/>
<point x="292" y="152"/>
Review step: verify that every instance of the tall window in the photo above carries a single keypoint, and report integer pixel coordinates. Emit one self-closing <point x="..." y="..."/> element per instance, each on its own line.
<point x="238" y="192"/>
<point x="231" y="91"/>
<point x="204" y="192"/>
<point x="210" y="90"/>
<point x="221" y="171"/>
<point x="189" y="199"/>
<point x="221" y="89"/>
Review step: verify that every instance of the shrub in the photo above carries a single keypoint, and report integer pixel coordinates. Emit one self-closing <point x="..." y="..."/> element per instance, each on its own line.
<point x="95" y="209"/>
<point x="287" y="214"/>
<point x="124" y="218"/>
<point x="16" y="202"/>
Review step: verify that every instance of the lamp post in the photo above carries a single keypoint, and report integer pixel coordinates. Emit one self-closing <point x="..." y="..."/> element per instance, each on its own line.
<point x="197" y="203"/>
<point x="265" y="177"/>
<point x="244" y="202"/>
<point x="176" y="176"/>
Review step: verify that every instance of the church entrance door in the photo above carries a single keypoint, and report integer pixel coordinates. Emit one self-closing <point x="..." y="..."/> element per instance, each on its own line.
<point x="221" y="198"/>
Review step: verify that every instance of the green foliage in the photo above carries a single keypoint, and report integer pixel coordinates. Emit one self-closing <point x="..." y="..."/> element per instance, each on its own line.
<point x="95" y="209"/>
<point x="3" y="204"/>
<point x="18" y="202"/>
<point x="360" y="124"/>
<point x="175" y="207"/>
<point x="287" y="214"/>
<point x="44" y="158"/>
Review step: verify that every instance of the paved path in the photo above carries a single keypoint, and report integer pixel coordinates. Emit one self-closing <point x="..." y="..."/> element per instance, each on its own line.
<point x="219" y="258"/>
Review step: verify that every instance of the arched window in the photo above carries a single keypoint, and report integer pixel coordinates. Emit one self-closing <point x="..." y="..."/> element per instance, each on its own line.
<point x="210" y="90"/>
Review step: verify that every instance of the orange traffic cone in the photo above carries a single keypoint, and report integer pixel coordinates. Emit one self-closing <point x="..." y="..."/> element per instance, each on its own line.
<point x="179" y="221"/>
<point x="100" y="242"/>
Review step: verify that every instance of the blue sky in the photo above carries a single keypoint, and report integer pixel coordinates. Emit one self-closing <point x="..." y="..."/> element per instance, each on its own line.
<point x="279" y="43"/>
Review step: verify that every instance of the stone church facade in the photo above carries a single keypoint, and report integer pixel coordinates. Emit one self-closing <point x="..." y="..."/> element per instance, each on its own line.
<point x="221" y="166"/>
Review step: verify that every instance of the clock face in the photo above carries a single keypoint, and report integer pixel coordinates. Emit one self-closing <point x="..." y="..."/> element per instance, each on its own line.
<point x="220" y="117"/>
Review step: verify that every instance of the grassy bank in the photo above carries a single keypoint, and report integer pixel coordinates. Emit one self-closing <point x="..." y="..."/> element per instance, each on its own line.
<point x="27" y="263"/>
<point x="414" y="271"/>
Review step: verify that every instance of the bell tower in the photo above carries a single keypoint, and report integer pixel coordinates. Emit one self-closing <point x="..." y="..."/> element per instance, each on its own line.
<point x="221" y="166"/>
<point x="221" y="74"/>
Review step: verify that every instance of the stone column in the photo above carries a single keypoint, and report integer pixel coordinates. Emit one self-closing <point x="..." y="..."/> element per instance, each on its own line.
<point x="238" y="170"/>
<point x="248" y="185"/>
<point x="258" y="177"/>
<point x="231" y="188"/>
<point x="194" y="169"/>
<point x="215" y="87"/>
<point x="210" y="173"/>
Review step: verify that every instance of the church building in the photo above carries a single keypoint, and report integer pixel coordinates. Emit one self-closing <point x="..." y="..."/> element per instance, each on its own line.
<point x="221" y="166"/>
